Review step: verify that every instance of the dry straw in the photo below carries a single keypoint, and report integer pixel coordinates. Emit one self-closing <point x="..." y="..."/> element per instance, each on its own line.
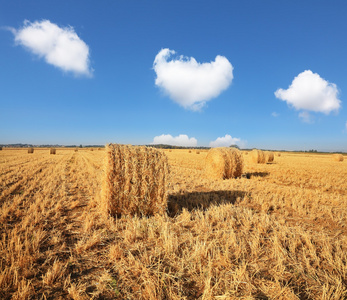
<point x="52" y="151"/>
<point x="338" y="157"/>
<point x="136" y="180"/>
<point x="258" y="156"/>
<point x="269" y="156"/>
<point x="224" y="163"/>
<point x="30" y="150"/>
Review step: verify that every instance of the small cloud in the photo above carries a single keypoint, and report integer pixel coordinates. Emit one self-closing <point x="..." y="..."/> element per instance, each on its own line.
<point x="60" y="47"/>
<point x="275" y="114"/>
<point x="310" y="92"/>
<point x="306" y="117"/>
<point x="189" y="83"/>
<point x="226" y="141"/>
<point x="180" y="140"/>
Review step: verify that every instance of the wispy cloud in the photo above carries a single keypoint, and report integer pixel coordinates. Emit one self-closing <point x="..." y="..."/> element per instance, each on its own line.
<point x="60" y="47"/>
<point x="189" y="83"/>
<point x="275" y="114"/>
<point x="226" y="141"/>
<point x="180" y="140"/>
<point x="310" y="92"/>
<point x="306" y="117"/>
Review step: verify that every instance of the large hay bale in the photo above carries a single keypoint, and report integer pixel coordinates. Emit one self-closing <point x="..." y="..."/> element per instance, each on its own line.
<point x="76" y="149"/>
<point x="338" y="157"/>
<point x="258" y="156"/>
<point x="52" y="151"/>
<point x="197" y="152"/>
<point x="31" y="150"/>
<point x="269" y="156"/>
<point x="136" y="180"/>
<point x="0" y="148"/>
<point x="224" y="163"/>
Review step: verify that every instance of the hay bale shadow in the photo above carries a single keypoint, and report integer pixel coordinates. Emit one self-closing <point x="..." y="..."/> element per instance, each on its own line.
<point x="255" y="174"/>
<point x="201" y="200"/>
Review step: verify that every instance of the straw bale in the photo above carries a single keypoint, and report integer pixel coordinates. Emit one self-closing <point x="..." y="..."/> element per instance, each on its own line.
<point x="224" y="163"/>
<point x="52" y="151"/>
<point x="269" y="156"/>
<point x="136" y="180"/>
<point x="258" y="156"/>
<point x="31" y="150"/>
<point x="197" y="152"/>
<point x="338" y="157"/>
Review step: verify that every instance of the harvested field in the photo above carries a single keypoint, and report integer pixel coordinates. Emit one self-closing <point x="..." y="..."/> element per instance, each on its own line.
<point x="277" y="232"/>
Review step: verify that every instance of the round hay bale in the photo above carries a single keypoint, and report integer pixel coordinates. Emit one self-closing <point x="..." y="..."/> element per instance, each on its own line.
<point x="338" y="157"/>
<point x="52" y="151"/>
<point x="278" y="154"/>
<point x="0" y="148"/>
<point x="269" y="156"/>
<point x="224" y="163"/>
<point x="197" y="152"/>
<point x="76" y="149"/>
<point x="31" y="150"/>
<point x="190" y="151"/>
<point x="136" y="181"/>
<point x="258" y="156"/>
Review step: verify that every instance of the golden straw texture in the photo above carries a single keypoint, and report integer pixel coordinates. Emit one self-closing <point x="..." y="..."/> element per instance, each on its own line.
<point x="269" y="156"/>
<point x="338" y="157"/>
<point x="224" y="163"/>
<point x="136" y="180"/>
<point x="258" y="156"/>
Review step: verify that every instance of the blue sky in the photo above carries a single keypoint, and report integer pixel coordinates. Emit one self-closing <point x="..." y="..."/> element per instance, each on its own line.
<point x="99" y="84"/>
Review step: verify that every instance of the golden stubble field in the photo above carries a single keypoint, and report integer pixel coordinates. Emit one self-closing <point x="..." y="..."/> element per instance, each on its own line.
<point x="278" y="232"/>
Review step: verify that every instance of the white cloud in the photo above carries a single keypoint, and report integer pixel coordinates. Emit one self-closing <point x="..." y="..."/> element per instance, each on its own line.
<point x="60" y="47"/>
<point x="226" y="141"/>
<point x="275" y="114"/>
<point x="306" y="117"/>
<point x="189" y="83"/>
<point x="180" y="140"/>
<point x="310" y="92"/>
